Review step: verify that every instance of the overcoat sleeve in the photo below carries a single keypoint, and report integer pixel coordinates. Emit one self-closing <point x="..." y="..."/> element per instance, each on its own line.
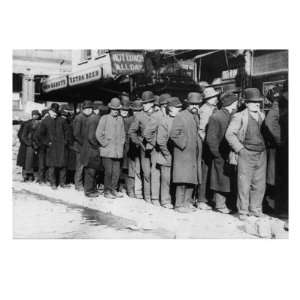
<point x="133" y="131"/>
<point x="25" y="134"/>
<point x="177" y="134"/>
<point x="272" y="124"/>
<point x="212" y="136"/>
<point x="100" y="132"/>
<point x="232" y="133"/>
<point x="92" y="133"/>
<point x="77" y="124"/>
<point x="162" y="139"/>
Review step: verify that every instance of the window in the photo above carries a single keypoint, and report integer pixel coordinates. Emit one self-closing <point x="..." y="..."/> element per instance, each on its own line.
<point x="86" y="54"/>
<point x="101" y="52"/>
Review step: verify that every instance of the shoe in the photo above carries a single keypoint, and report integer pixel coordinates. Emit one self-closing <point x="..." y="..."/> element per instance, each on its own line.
<point x="53" y="187"/>
<point x="183" y="210"/>
<point x="168" y="206"/>
<point x="64" y="186"/>
<point x="92" y="195"/>
<point x="203" y="206"/>
<point x="191" y="206"/>
<point x="243" y="217"/>
<point x="155" y="202"/>
<point x="117" y="194"/>
<point x="109" y="195"/>
<point x="224" y="210"/>
<point x="79" y="188"/>
<point x="258" y="214"/>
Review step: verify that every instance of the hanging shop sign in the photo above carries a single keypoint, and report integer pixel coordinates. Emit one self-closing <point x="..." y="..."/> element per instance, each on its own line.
<point x="126" y="62"/>
<point x="56" y="83"/>
<point x="85" y="76"/>
<point x="229" y="74"/>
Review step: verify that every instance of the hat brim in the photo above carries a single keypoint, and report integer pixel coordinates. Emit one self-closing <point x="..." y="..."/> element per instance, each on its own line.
<point x="212" y="96"/>
<point x="257" y="100"/>
<point x="125" y="108"/>
<point x="114" y="107"/>
<point x="148" y="101"/>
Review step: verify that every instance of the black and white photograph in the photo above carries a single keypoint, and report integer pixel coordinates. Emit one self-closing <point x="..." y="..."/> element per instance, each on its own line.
<point x="150" y="143"/>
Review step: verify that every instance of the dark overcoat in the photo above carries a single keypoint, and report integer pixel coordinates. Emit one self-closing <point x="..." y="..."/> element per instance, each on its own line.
<point x="90" y="155"/>
<point x="56" y="136"/>
<point x="28" y="134"/>
<point x="128" y="146"/>
<point x="220" y="179"/>
<point x="22" y="149"/>
<point x="187" y="148"/>
<point x="79" y="128"/>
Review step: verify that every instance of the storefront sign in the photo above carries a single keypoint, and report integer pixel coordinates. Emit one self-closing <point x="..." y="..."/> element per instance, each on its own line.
<point x="84" y="76"/>
<point x="229" y="74"/>
<point x="54" y="83"/>
<point x="126" y="62"/>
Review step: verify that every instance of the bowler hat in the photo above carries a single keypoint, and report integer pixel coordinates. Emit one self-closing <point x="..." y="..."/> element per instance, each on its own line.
<point x="163" y="98"/>
<point x="194" y="98"/>
<point x="209" y="93"/>
<point x="228" y="98"/>
<point x="252" y="95"/>
<point x="137" y="105"/>
<point x="54" y="107"/>
<point x="35" y="112"/>
<point x="147" y="97"/>
<point x="87" y="104"/>
<point x="174" y="102"/>
<point x="115" y="103"/>
<point x="231" y="87"/>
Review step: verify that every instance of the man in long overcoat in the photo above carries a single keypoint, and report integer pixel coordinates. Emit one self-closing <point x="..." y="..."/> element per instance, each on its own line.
<point x="221" y="171"/>
<point x="79" y="127"/>
<point x="187" y="153"/>
<point x="21" y="157"/>
<point x="139" y="135"/>
<point x="31" y="161"/>
<point x="110" y="133"/>
<point x="89" y="155"/>
<point x="55" y="135"/>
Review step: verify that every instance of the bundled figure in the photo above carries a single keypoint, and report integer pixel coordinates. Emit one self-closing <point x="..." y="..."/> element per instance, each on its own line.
<point x="110" y="134"/>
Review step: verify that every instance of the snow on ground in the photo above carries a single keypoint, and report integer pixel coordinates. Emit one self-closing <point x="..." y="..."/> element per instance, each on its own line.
<point x="199" y="224"/>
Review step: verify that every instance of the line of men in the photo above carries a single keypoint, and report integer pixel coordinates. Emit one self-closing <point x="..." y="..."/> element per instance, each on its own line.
<point x="182" y="155"/>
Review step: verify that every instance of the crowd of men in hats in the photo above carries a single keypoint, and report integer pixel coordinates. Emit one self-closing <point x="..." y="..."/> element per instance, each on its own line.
<point x="205" y="152"/>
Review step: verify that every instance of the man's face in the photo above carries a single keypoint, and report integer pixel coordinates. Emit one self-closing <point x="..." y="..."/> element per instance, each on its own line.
<point x="194" y="108"/>
<point x="253" y="106"/>
<point x="173" y="111"/>
<point x="52" y="114"/>
<point x="87" y="111"/>
<point x="213" y="101"/>
<point x="96" y="111"/>
<point x="114" y="112"/>
<point x="148" y="107"/>
<point x="124" y="113"/>
<point x="35" y="117"/>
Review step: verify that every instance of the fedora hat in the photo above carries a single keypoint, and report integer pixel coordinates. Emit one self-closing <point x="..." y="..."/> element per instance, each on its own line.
<point x="163" y="98"/>
<point x="174" y="102"/>
<point x="194" y="98"/>
<point x="253" y="95"/>
<point x="97" y="104"/>
<point x="54" y="107"/>
<point x="137" y="105"/>
<point x="115" y="103"/>
<point x="228" y="98"/>
<point x="209" y="93"/>
<point x="148" y="97"/>
<point x="87" y="104"/>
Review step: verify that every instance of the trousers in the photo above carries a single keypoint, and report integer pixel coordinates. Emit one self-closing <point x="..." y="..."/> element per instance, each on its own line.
<point x="184" y="194"/>
<point x="151" y="174"/>
<point x="112" y="169"/>
<point x="251" y="181"/>
<point x="61" y="175"/>
<point x="89" y="180"/>
<point x="42" y="165"/>
<point x="165" y="178"/>
<point x="78" y="172"/>
<point x="220" y="200"/>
